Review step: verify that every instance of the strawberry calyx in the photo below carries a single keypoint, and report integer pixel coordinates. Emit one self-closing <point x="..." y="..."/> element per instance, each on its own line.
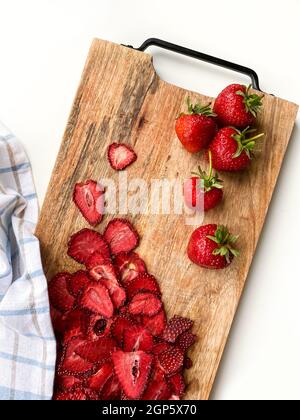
<point x="244" y="142"/>
<point x="225" y="242"/>
<point x="253" y="102"/>
<point x="210" y="180"/>
<point x="199" y="109"/>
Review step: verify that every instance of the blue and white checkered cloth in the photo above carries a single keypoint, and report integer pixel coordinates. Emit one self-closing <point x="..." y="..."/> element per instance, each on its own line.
<point x="27" y="344"/>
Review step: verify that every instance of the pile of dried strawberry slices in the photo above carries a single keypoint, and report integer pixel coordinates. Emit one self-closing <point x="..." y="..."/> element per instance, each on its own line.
<point x="114" y="340"/>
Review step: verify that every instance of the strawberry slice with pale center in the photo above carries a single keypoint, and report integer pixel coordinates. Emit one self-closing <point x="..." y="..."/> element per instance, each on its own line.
<point x="59" y="295"/>
<point x="72" y="362"/>
<point x="138" y="338"/>
<point x="96" y="299"/>
<point x="121" y="236"/>
<point x="155" y="324"/>
<point x="89" y="198"/>
<point x="130" y="266"/>
<point x="98" y="327"/>
<point x="145" y="304"/>
<point x="143" y="283"/>
<point x="83" y="244"/>
<point x="96" y="351"/>
<point x="133" y="371"/>
<point x="76" y="324"/>
<point x="120" y="156"/>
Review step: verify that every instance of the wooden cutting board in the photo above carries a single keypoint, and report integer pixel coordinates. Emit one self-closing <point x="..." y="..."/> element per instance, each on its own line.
<point x="122" y="99"/>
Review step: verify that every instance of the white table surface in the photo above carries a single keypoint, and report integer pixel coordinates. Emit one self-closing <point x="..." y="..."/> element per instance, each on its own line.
<point x="44" y="44"/>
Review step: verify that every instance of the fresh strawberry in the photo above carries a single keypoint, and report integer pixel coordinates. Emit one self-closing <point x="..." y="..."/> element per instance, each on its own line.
<point x="157" y="391"/>
<point x="121" y="236"/>
<point x="143" y="283"/>
<point x="203" y="191"/>
<point x="73" y="395"/>
<point x="119" y="326"/>
<point x="138" y="338"/>
<point x="175" y="327"/>
<point x="145" y="304"/>
<point x="130" y="266"/>
<point x="97" y="381"/>
<point x="120" y="156"/>
<point x="197" y="128"/>
<point x="106" y="275"/>
<point x="237" y="106"/>
<point x="66" y="382"/>
<point x="155" y="324"/>
<point x="96" y="351"/>
<point x="188" y="364"/>
<point x="96" y="299"/>
<point x="76" y="324"/>
<point x="133" y="371"/>
<point x="98" y="258"/>
<point x="171" y="361"/>
<point x="83" y="244"/>
<point x="232" y="150"/>
<point x="111" y="390"/>
<point x="211" y="246"/>
<point x="98" y="327"/>
<point x="185" y="341"/>
<point x="59" y="295"/>
<point x="177" y="384"/>
<point x="77" y="282"/>
<point x="71" y="362"/>
<point x="89" y="198"/>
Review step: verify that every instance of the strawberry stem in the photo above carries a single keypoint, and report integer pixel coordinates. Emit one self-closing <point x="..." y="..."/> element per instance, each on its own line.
<point x="199" y="109"/>
<point x="225" y="242"/>
<point x="211" y="180"/>
<point x="244" y="143"/>
<point x="253" y="102"/>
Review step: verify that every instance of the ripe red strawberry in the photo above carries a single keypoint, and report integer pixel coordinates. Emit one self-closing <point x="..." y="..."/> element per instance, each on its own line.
<point x="177" y="384"/>
<point x="232" y="150"/>
<point x="196" y="129"/>
<point x="119" y="326"/>
<point x="143" y="283"/>
<point x="85" y="243"/>
<point x="138" y="338"/>
<point x="133" y="371"/>
<point x="237" y="106"/>
<point x="59" y="295"/>
<point x="130" y="266"/>
<point x="77" y="282"/>
<point x="157" y="391"/>
<point x="71" y="362"/>
<point x="120" y="156"/>
<point x="211" y="246"/>
<point x="185" y="341"/>
<point x="97" y="381"/>
<point x="145" y="304"/>
<point x="171" y="361"/>
<point x="76" y="324"/>
<point x="96" y="299"/>
<point x="175" y="327"/>
<point x="89" y="198"/>
<point x="155" y="324"/>
<point x="121" y="236"/>
<point x="203" y="191"/>
<point x="96" y="351"/>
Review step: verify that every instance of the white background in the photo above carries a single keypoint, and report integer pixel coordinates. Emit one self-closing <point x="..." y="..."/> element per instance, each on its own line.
<point x="44" y="44"/>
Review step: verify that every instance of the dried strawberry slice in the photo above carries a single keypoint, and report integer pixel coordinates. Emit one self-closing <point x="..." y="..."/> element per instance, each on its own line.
<point x="98" y="258"/>
<point x="121" y="236"/>
<point x="98" y="327"/>
<point x="177" y="326"/>
<point x="66" y="382"/>
<point x="111" y="390"/>
<point x="76" y="324"/>
<point x="96" y="351"/>
<point x="157" y="391"/>
<point x="120" y="156"/>
<point x="119" y="326"/>
<point x="138" y="338"/>
<point x="97" y="381"/>
<point x="96" y="299"/>
<point x="130" y="266"/>
<point x="58" y="321"/>
<point x="155" y="324"/>
<point x="77" y="282"/>
<point x="185" y="341"/>
<point x="133" y="371"/>
<point x="72" y="363"/>
<point x="177" y="384"/>
<point x="59" y="296"/>
<point x="89" y="198"/>
<point x="161" y="348"/>
<point x="107" y="276"/>
<point x="171" y="361"/>
<point x="143" y="283"/>
<point x="74" y="395"/>
<point x="84" y="243"/>
<point x="145" y="304"/>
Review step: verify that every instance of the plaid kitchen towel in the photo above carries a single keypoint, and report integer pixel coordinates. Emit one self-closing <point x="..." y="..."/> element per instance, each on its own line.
<point x="27" y="345"/>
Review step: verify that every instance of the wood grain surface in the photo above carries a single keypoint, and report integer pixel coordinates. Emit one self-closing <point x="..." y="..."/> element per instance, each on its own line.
<point x="121" y="99"/>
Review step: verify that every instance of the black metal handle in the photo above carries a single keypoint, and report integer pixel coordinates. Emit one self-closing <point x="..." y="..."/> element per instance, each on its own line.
<point x="201" y="56"/>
